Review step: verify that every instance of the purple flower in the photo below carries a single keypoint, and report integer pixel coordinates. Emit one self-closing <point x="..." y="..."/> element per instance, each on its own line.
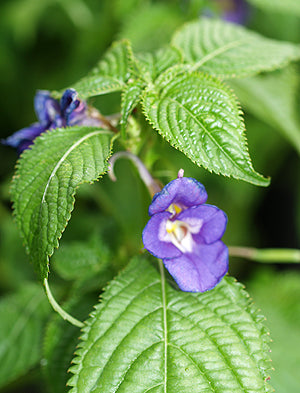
<point x="51" y="114"/>
<point x="185" y="233"/>
<point x="234" y="11"/>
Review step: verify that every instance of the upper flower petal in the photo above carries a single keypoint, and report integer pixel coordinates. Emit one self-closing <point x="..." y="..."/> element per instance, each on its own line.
<point x="76" y="111"/>
<point x="201" y="271"/>
<point x="47" y="110"/>
<point x="184" y="192"/>
<point x="156" y="239"/>
<point x="69" y="103"/>
<point x="213" y="221"/>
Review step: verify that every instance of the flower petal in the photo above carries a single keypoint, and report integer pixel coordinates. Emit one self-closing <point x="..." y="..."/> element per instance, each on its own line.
<point x="156" y="239"/>
<point x="213" y="220"/>
<point x="202" y="271"/>
<point x="24" y="137"/>
<point x="184" y="192"/>
<point x="73" y="109"/>
<point x="47" y="110"/>
<point x="69" y="102"/>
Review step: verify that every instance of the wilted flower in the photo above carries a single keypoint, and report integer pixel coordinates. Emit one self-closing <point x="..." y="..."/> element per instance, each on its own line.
<point x="185" y="233"/>
<point x="51" y="114"/>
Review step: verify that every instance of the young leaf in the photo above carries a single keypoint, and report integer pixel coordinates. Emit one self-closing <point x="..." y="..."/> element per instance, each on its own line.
<point x="200" y="116"/>
<point x="151" y="65"/>
<point x="147" y="337"/>
<point x="130" y="98"/>
<point x="229" y="51"/>
<point x="148" y="66"/>
<point x="45" y="183"/>
<point x="273" y="99"/>
<point x="23" y="316"/>
<point x="111" y="74"/>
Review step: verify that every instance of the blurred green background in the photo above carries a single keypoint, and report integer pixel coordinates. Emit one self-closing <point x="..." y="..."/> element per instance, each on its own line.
<point x="50" y="44"/>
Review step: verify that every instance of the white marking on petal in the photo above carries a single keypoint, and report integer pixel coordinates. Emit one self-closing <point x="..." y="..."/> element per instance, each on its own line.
<point x="194" y="224"/>
<point x="180" y="235"/>
<point x="162" y="232"/>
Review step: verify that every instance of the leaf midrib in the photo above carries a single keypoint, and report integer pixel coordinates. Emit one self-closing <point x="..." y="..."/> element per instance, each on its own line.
<point x="216" y="52"/>
<point x="66" y="154"/>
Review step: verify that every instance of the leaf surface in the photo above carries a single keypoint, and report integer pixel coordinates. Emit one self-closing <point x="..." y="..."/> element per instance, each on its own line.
<point x="130" y="98"/>
<point x="200" y="116"/>
<point x="23" y="316"/>
<point x="77" y="259"/>
<point x="45" y="183"/>
<point x="147" y="337"/>
<point x="111" y="74"/>
<point x="229" y="51"/>
<point x="151" y="65"/>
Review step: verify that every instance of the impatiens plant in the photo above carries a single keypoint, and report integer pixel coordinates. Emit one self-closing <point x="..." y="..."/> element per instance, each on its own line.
<point x="173" y="321"/>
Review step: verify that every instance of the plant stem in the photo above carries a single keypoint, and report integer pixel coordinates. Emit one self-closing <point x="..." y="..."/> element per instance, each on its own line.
<point x="151" y="184"/>
<point x="267" y="255"/>
<point x="58" y="309"/>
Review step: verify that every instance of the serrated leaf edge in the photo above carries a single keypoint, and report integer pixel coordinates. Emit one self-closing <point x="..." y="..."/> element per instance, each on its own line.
<point x="68" y="215"/>
<point x="240" y="116"/>
<point x="245" y="300"/>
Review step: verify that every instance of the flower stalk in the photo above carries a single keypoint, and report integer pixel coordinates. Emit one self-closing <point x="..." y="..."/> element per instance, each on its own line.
<point x="149" y="181"/>
<point x="267" y="255"/>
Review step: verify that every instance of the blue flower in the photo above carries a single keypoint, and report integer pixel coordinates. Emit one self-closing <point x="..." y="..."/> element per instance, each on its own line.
<point x="51" y="114"/>
<point x="185" y="233"/>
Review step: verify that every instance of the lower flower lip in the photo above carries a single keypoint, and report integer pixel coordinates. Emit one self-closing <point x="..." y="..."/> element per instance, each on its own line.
<point x="191" y="276"/>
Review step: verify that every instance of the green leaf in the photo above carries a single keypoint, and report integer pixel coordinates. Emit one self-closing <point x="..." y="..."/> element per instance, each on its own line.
<point x="23" y="316"/>
<point x="273" y="99"/>
<point x="288" y="6"/>
<point x="78" y="259"/>
<point x="200" y="116"/>
<point x="45" y="183"/>
<point x="151" y="65"/>
<point x="147" y="337"/>
<point x="130" y="98"/>
<point x="229" y="51"/>
<point x="111" y="74"/>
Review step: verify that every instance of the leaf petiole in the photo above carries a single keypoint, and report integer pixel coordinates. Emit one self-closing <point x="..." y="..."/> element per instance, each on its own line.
<point x="58" y="309"/>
